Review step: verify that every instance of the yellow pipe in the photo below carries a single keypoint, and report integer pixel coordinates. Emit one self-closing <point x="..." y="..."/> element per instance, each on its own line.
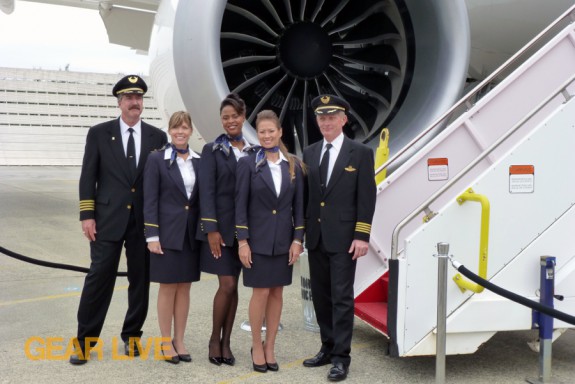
<point x="381" y="155"/>
<point x="469" y="195"/>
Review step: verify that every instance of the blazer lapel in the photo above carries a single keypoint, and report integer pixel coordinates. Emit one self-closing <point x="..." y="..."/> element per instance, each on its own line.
<point x="231" y="161"/>
<point x="340" y="163"/>
<point x="145" y="148"/>
<point x="117" y="147"/>
<point x="285" y="178"/>
<point x="314" y="166"/>
<point x="176" y="176"/>
<point x="195" y="164"/>
<point x="267" y="177"/>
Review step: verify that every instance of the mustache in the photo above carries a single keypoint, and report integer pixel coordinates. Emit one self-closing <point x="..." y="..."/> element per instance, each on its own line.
<point x="135" y="107"/>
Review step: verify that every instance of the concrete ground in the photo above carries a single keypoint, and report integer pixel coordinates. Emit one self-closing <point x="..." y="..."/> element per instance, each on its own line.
<point x="39" y="218"/>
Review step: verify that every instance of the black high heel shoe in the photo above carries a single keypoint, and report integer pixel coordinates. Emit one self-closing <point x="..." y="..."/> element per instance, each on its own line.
<point x="228" y="360"/>
<point x="274" y="367"/>
<point x="216" y="360"/>
<point x="262" y="368"/>
<point x="187" y="358"/>
<point x="171" y="359"/>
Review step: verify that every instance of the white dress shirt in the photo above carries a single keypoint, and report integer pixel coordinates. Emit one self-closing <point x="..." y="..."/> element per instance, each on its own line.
<point x="333" y="153"/>
<point x="276" y="169"/>
<point x="137" y="137"/>
<point x="186" y="169"/>
<point x="243" y="152"/>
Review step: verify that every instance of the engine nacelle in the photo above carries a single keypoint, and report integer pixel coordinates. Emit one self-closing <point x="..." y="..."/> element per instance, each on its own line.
<point x="399" y="64"/>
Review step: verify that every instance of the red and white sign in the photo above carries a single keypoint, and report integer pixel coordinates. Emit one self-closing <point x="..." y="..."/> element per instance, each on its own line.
<point x="437" y="169"/>
<point x="521" y="179"/>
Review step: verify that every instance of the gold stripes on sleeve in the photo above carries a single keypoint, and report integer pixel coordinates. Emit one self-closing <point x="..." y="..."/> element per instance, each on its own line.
<point x="87" y="205"/>
<point x="298" y="228"/>
<point x="207" y="219"/>
<point x="241" y="227"/>
<point x="363" y="227"/>
<point x="151" y="225"/>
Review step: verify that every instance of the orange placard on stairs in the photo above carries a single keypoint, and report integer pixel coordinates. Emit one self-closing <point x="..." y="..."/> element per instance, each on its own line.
<point x="521" y="178"/>
<point x="437" y="169"/>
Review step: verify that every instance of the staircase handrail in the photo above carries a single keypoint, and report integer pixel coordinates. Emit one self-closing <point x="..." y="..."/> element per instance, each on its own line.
<point x="570" y="13"/>
<point x="424" y="206"/>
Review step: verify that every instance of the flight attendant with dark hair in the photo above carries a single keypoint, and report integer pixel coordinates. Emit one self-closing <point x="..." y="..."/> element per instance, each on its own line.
<point x="171" y="213"/>
<point x="219" y="250"/>
<point x="270" y="226"/>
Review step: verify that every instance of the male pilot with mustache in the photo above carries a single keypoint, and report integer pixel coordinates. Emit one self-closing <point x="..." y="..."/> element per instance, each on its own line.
<point x="111" y="212"/>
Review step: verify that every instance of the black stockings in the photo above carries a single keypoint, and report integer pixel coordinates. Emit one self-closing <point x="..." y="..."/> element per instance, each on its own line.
<point x="224" y="314"/>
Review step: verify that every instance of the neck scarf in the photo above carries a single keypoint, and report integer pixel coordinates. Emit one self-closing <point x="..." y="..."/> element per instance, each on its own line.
<point x="239" y="137"/>
<point x="261" y="155"/>
<point x="175" y="152"/>
<point x="222" y="142"/>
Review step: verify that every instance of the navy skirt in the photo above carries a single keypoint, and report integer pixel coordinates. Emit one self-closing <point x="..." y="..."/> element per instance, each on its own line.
<point x="268" y="271"/>
<point x="227" y="265"/>
<point x="175" y="266"/>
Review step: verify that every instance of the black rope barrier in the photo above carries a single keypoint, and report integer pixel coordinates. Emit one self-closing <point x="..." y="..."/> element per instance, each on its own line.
<point x="513" y="296"/>
<point x="49" y="264"/>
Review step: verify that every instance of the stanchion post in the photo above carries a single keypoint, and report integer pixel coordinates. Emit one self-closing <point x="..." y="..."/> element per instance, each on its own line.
<point x="544" y="321"/>
<point x="442" y="258"/>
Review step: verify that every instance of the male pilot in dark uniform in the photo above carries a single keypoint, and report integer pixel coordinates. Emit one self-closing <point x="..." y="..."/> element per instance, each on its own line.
<point x="340" y="206"/>
<point x="111" y="211"/>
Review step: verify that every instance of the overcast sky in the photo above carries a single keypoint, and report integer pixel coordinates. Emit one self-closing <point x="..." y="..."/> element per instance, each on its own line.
<point x="52" y="37"/>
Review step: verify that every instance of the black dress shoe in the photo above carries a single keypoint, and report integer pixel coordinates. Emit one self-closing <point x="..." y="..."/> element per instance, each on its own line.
<point x="76" y="360"/>
<point x="215" y="360"/>
<point x="274" y="367"/>
<point x="131" y="349"/>
<point x="228" y="360"/>
<point x="318" y="360"/>
<point x="338" y="372"/>
<point x="171" y="359"/>
<point x="187" y="358"/>
<point x="262" y="368"/>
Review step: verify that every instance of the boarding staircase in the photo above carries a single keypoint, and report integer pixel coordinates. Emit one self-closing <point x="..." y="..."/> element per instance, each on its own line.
<point x="513" y="144"/>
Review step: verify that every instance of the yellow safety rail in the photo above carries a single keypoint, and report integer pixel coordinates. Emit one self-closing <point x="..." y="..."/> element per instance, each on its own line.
<point x="464" y="285"/>
<point x="382" y="154"/>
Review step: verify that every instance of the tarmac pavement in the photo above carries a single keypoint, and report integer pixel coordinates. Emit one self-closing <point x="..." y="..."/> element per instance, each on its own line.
<point x="39" y="219"/>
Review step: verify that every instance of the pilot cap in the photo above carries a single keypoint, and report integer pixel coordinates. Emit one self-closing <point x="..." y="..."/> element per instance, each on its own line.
<point x="327" y="104"/>
<point x="130" y="84"/>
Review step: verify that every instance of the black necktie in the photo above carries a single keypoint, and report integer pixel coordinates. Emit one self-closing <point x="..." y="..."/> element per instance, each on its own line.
<point x="323" y="167"/>
<point x="131" y="153"/>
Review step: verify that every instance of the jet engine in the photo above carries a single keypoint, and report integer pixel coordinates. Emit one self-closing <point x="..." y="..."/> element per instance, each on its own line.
<point x="399" y="63"/>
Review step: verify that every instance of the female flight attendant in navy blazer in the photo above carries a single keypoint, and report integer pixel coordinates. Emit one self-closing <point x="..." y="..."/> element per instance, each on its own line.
<point x="171" y="213"/>
<point x="219" y="250"/>
<point x="270" y="227"/>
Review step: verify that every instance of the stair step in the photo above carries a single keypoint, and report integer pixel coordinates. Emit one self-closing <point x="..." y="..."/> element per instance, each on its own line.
<point x="373" y="313"/>
<point x="371" y="304"/>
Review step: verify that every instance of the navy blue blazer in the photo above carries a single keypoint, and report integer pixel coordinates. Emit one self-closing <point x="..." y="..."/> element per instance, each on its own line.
<point x="270" y="222"/>
<point x="217" y="194"/>
<point x="107" y="192"/>
<point x="167" y="210"/>
<point x="345" y="210"/>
